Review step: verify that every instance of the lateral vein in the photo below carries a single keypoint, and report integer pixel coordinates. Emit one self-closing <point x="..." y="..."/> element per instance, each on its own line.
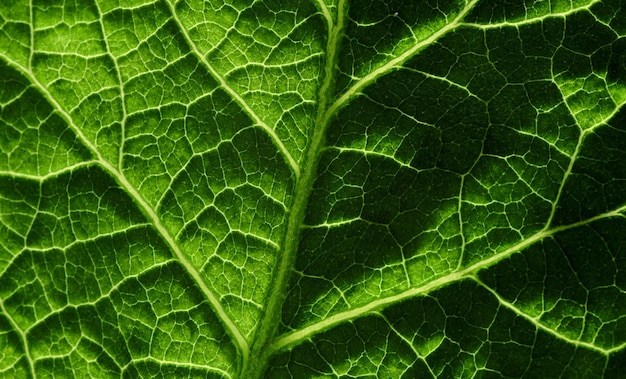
<point x="535" y="322"/>
<point x="296" y="336"/>
<point x="145" y="208"/>
<point x="23" y="338"/>
<point x="395" y="63"/>
<point x="231" y="92"/>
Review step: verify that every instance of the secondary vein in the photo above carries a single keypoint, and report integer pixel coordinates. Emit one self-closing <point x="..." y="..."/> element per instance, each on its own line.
<point x="470" y="272"/>
<point x="145" y="208"/>
<point x="23" y="338"/>
<point x="395" y="63"/>
<point x="233" y="94"/>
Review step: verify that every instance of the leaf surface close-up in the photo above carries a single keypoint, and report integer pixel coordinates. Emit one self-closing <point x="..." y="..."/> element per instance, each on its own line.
<point x="316" y="188"/>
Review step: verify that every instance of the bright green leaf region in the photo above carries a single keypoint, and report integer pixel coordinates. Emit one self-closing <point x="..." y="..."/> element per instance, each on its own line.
<point x="313" y="189"/>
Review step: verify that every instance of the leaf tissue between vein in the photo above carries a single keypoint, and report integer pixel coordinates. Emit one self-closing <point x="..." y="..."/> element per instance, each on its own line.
<point x="247" y="189"/>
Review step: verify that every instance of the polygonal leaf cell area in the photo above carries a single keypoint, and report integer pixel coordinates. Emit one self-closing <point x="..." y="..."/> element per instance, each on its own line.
<point x="321" y="188"/>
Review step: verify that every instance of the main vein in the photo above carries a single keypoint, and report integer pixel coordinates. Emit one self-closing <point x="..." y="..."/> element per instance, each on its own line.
<point x="278" y="288"/>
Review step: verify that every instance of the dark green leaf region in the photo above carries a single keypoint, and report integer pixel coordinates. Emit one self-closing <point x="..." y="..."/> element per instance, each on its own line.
<point x="312" y="189"/>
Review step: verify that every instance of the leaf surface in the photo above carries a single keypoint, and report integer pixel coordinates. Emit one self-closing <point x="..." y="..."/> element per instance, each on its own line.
<point x="312" y="189"/>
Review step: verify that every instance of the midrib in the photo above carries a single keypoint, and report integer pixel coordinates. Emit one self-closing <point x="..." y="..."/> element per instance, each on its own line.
<point x="266" y="332"/>
<point x="263" y="346"/>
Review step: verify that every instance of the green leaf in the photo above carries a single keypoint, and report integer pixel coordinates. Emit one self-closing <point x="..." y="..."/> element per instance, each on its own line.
<point x="319" y="188"/>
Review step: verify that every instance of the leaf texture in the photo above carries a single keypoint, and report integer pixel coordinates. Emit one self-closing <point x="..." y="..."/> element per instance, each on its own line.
<point x="322" y="188"/>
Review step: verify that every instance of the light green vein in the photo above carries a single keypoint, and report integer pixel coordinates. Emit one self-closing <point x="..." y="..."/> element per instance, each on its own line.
<point x="283" y="269"/>
<point x="566" y="176"/>
<point x="409" y="343"/>
<point x="234" y="95"/>
<point x="161" y="362"/>
<point x="51" y="174"/>
<point x="154" y="218"/>
<point x="395" y="63"/>
<point x="23" y="338"/>
<point x="574" y="156"/>
<point x="77" y="241"/>
<point x="297" y="336"/>
<point x="537" y="323"/>
<point x="120" y="82"/>
<point x="326" y="13"/>
<point x="372" y="153"/>
<point x="143" y="205"/>
<point x="59" y="311"/>
<point x="531" y="20"/>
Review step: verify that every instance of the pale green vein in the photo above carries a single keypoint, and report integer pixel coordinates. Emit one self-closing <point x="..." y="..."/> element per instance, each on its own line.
<point x="234" y="95"/>
<point x="609" y="116"/>
<point x="294" y="337"/>
<point x="144" y="207"/>
<point x="125" y="279"/>
<point x="531" y="20"/>
<point x="257" y="237"/>
<point x="281" y="273"/>
<point x="23" y="338"/>
<point x="161" y="362"/>
<point x="154" y="218"/>
<point x="409" y="343"/>
<point x="339" y="223"/>
<point x="396" y="63"/>
<point x="77" y="241"/>
<point x="31" y="28"/>
<point x="570" y="166"/>
<point x="49" y="175"/>
<point x="461" y="232"/>
<point x="358" y="312"/>
<point x="444" y="80"/>
<point x="538" y="324"/>
<point x="552" y="145"/>
<point x="574" y="156"/>
<point x="372" y="153"/>
<point x="43" y="90"/>
<point x="326" y="13"/>
<point x="264" y="65"/>
<point x="518" y="172"/>
<point x="8" y="263"/>
<point x="118" y="74"/>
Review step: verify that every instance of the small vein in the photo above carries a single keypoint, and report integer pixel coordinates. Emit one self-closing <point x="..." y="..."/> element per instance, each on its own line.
<point x="534" y="320"/>
<point x="395" y="63"/>
<point x="31" y="52"/>
<point x="566" y="175"/>
<point x="103" y="295"/>
<point x="51" y="174"/>
<point x="118" y="74"/>
<point x="531" y="20"/>
<point x="294" y="337"/>
<point x="162" y="362"/>
<point x="156" y="221"/>
<point x="144" y="207"/>
<point x="409" y="343"/>
<point x="23" y="338"/>
<point x="257" y="120"/>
